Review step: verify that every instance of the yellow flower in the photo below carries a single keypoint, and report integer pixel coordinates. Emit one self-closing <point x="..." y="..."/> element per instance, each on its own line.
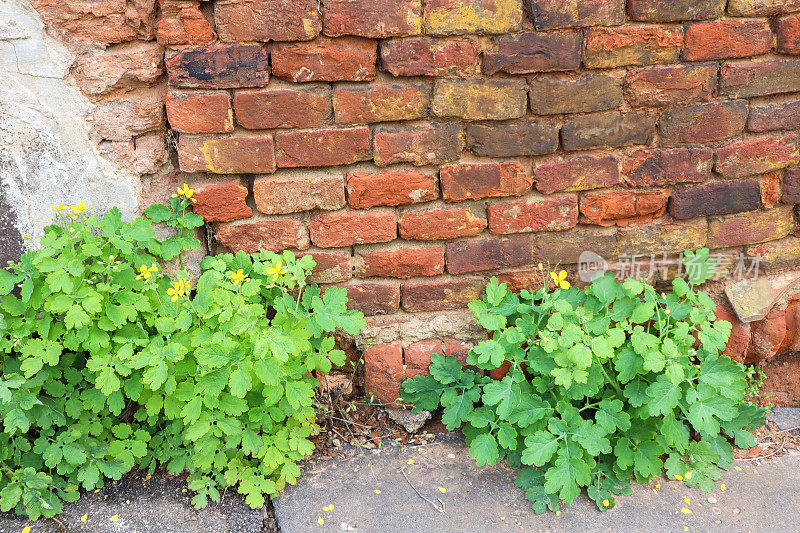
<point x="115" y="518"/>
<point x="606" y="503"/>
<point x="320" y="521"/>
<point x="84" y="518"/>
<point x="237" y="277"/>
<point x="79" y="208"/>
<point x="59" y="207"/>
<point x="276" y="271"/>
<point x="560" y="279"/>
<point x="686" y="511"/>
<point x="411" y="461"/>
<point x="679" y="477"/>
<point x="186" y="191"/>
<point x="688" y="475"/>
<point x="178" y="289"/>
<point x="144" y="272"/>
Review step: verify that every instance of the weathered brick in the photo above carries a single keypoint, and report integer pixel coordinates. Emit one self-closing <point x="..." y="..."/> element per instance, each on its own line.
<point x="782" y="252"/>
<point x="429" y="144"/>
<point x="740" y="334"/>
<point x="702" y="123"/>
<point x="724" y="39"/>
<point x="288" y="107"/>
<point x="766" y="336"/>
<point x="119" y="67"/>
<point x="390" y="187"/>
<point x="425" y="56"/>
<point x="372" y="18"/>
<point x="331" y="267"/>
<point x="383" y="371"/>
<point x="619" y="47"/>
<point x="345" y="228"/>
<point x="567" y="247"/>
<point x="325" y="59"/>
<point x="417" y="356"/>
<point x="182" y="23"/>
<point x="659" y="238"/>
<point x="659" y="167"/>
<point x="518" y="279"/>
<point x="533" y="213"/>
<point x="322" y="148"/>
<point x="779" y="113"/>
<point x="674" y="84"/>
<point x="787" y="30"/>
<point x="298" y="190"/>
<point x="522" y="137"/>
<point x="479" y="99"/>
<point x="120" y="117"/>
<point x="267" y="20"/>
<point x="621" y="208"/>
<point x="200" y="112"/>
<point x="398" y="262"/>
<point x="373" y="298"/>
<point x="488" y="253"/>
<point x="744" y="8"/>
<point x="675" y="10"/>
<point x="608" y="129"/>
<point x="523" y="53"/>
<point x="791" y="186"/>
<point x="549" y="14"/>
<point x="759" y="77"/>
<point x="221" y="202"/>
<point x="427" y="224"/>
<point x="720" y="198"/>
<point x="576" y="173"/>
<point x="100" y="22"/>
<point x="751" y="227"/>
<point x="770" y="189"/>
<point x="380" y="103"/>
<point x="756" y="156"/>
<point x="251" y="153"/>
<point x="251" y="235"/>
<point x="440" y="295"/>
<point x="448" y="17"/>
<point x="466" y="181"/>
<point x="553" y="94"/>
<point x="219" y="66"/>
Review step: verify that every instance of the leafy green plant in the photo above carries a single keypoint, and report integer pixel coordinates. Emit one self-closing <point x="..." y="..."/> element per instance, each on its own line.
<point x="106" y="364"/>
<point x="755" y="382"/>
<point x="605" y="383"/>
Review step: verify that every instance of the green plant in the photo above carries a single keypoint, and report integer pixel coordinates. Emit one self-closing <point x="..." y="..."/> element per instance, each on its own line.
<point x="605" y="383"/>
<point x="755" y="382"/>
<point x="106" y="364"/>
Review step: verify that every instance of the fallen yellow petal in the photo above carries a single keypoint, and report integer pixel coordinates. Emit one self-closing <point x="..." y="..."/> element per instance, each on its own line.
<point x="377" y="491"/>
<point x="26" y="529"/>
<point x="84" y="518"/>
<point x="502" y="518"/>
<point x="722" y="487"/>
<point x="688" y="476"/>
<point x="688" y="501"/>
<point x="658" y="485"/>
<point x="442" y="490"/>
<point x="115" y="518"/>
<point x="411" y="461"/>
<point x="328" y="508"/>
<point x="686" y="511"/>
<point x="678" y="477"/>
<point x="320" y="521"/>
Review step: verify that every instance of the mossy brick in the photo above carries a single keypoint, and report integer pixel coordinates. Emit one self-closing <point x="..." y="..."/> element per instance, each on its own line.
<point x="449" y="17"/>
<point x="632" y="46"/>
<point x="480" y="99"/>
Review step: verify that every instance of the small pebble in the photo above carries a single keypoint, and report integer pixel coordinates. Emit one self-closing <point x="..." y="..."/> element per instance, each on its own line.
<point x="712" y="499"/>
<point x="451" y="456"/>
<point x="737" y="510"/>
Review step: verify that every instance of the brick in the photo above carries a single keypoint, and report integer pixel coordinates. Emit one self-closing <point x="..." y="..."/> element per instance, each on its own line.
<point x="465" y="181"/>
<point x="380" y="103"/>
<point x="488" y="253"/>
<point x="345" y="228"/>
<point x="549" y="14"/>
<point x="323" y="147"/>
<point x="428" y="144"/>
<point x="331" y="267"/>
<point x="756" y="156"/>
<point x="390" y="187"/>
<point x="781" y="384"/>
<point x="782" y="252"/>
<point x="608" y="129"/>
<point x="744" y="8"/>
<point x="702" y="123"/>
<point x="373" y="298"/>
<point x="518" y="279"/>
<point x="403" y="262"/>
<point x="417" y="356"/>
<point x="447" y="17"/>
<point x="567" y="247"/>
<point x="427" y="224"/>
<point x="439" y="295"/>
<point x="787" y="30"/>
<point x="523" y="137"/>
<point x="576" y="173"/>
<point x="674" y="84"/>
<point x="325" y="59"/>
<point x="372" y="18"/>
<point x="426" y="56"/>
<point x="724" y="39"/>
<point x="660" y="238"/>
<point x="119" y="67"/>
<point x="221" y="202"/>
<point x="200" y="112"/>
<point x="383" y="371"/>
<point x="555" y="94"/>
<point x="278" y="108"/>
<point x="273" y="234"/>
<point x="294" y="191"/>
<point x="719" y="198"/>
<point x="759" y="77"/>
<point x="533" y="213"/>
<point x="143" y="155"/>
<point x="770" y="189"/>
<point x="96" y="22"/>
<point x="766" y="337"/>
<point x="675" y="10"/>
<point x="219" y="66"/>
<point x="791" y="186"/>
<point x="120" y="117"/>
<point x="751" y="227"/>
<point x="779" y="113"/>
<point x="183" y="23"/>
<point x="523" y="53"/>
<point x="621" y="208"/>
<point x="479" y="99"/>
<point x="740" y="334"/>
<point x="267" y="20"/>
<point x="238" y="153"/>
<point x="631" y="46"/>
<point x="659" y="167"/>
